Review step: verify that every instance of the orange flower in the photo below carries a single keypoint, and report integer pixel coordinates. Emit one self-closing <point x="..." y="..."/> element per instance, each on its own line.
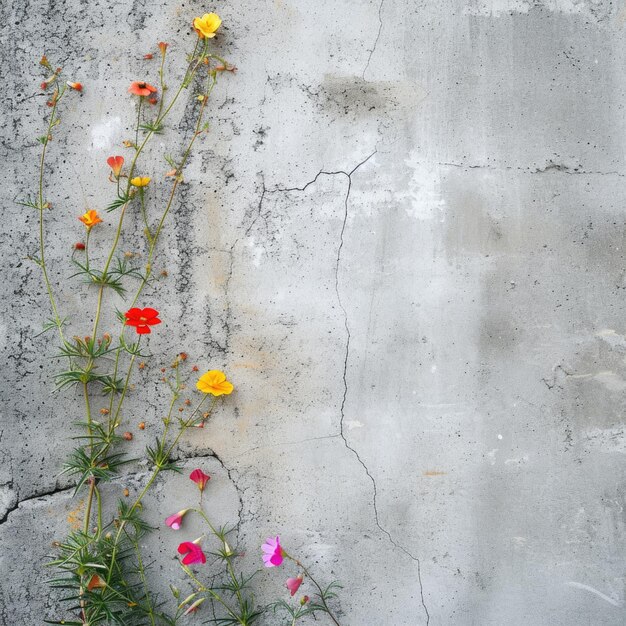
<point x="116" y="163"/>
<point x="94" y="582"/>
<point x="215" y="383"/>
<point x="147" y="57"/>
<point x="162" y="46"/>
<point x="75" y="86"/>
<point x="90" y="219"/>
<point x="140" y="88"/>
<point x="206" y="25"/>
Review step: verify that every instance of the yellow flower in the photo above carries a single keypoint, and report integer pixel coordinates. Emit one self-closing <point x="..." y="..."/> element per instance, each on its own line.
<point x="206" y="25"/>
<point x="215" y="383"/>
<point x="140" y="181"/>
<point x="90" y="219"/>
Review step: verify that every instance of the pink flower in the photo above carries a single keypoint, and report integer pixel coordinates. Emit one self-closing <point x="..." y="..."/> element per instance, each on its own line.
<point x="200" y="478"/>
<point x="193" y="551"/>
<point x="175" y="521"/>
<point x="272" y="552"/>
<point x="293" y="584"/>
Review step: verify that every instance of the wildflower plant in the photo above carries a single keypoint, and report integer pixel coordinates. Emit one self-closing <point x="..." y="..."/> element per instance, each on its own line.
<point x="100" y="570"/>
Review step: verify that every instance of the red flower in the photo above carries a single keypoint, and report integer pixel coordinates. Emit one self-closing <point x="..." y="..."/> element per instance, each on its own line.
<point x="200" y="478"/>
<point x="193" y="551"/>
<point x="75" y="86"/>
<point x="142" y="319"/>
<point x="141" y="88"/>
<point x="79" y="246"/>
<point x="116" y="163"/>
<point x="147" y="57"/>
<point x="162" y="46"/>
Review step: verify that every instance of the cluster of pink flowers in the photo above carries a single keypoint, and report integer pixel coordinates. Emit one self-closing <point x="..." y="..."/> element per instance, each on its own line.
<point x="191" y="549"/>
<point x="273" y="552"/>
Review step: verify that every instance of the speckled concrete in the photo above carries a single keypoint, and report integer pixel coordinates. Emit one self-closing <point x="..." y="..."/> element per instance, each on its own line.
<point x="404" y="241"/>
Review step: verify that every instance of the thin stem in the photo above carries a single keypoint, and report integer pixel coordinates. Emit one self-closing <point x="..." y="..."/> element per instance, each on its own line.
<point x="99" y="500"/>
<point x="92" y="487"/>
<point x="113" y="422"/>
<point x="321" y="592"/>
<point x="145" y="215"/>
<point x="87" y="249"/>
<point x="42" y="258"/>
<point x="229" y="565"/>
<point x="138" y="121"/>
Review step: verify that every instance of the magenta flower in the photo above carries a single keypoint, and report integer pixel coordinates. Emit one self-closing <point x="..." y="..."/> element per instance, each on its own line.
<point x="293" y="584"/>
<point x="200" y="478"/>
<point x="193" y="551"/>
<point x="175" y="521"/>
<point x="272" y="552"/>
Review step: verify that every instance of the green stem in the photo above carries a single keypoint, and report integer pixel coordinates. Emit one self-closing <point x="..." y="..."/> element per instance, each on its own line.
<point x="87" y="249"/>
<point x="321" y="592"/>
<point x="92" y="486"/>
<point x="145" y="215"/>
<point x="229" y="565"/>
<point x="40" y="203"/>
<point x="113" y="421"/>
<point x="138" y="121"/>
<point x="99" y="500"/>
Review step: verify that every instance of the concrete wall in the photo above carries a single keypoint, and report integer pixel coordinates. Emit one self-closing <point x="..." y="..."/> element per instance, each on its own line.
<point x="404" y="241"/>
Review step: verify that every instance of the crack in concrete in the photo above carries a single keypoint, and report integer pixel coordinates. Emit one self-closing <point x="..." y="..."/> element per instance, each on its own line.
<point x="348" y="175"/>
<point x="36" y="496"/>
<point x="380" y="27"/>
<point x="550" y="167"/>
<point x="211" y="454"/>
<point x="345" y="393"/>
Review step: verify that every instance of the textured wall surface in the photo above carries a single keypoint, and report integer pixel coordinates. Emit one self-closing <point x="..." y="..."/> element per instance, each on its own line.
<point x="404" y="240"/>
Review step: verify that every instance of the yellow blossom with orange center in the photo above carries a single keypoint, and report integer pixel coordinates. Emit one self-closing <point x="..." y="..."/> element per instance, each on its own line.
<point x="90" y="219"/>
<point x="215" y="383"/>
<point x="140" y="181"/>
<point x="206" y="25"/>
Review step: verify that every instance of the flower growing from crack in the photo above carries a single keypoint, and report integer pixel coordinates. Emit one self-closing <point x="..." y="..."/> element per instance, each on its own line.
<point x="200" y="478"/>
<point x="272" y="552"/>
<point x="140" y="181"/>
<point x="142" y="319"/>
<point x="115" y="163"/>
<point x="141" y="88"/>
<point x="215" y="383"/>
<point x="192" y="551"/>
<point x="206" y="25"/>
<point x="293" y="584"/>
<point x="175" y="521"/>
<point x="90" y="219"/>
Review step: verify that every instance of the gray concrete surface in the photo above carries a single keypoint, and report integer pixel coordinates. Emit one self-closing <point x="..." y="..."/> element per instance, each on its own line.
<point x="404" y="240"/>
